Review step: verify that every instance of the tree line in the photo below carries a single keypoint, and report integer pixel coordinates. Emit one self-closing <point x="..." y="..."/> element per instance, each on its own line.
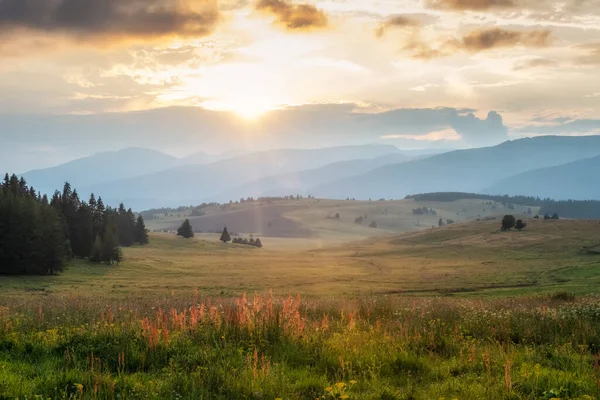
<point x="566" y="208"/>
<point x="39" y="235"/>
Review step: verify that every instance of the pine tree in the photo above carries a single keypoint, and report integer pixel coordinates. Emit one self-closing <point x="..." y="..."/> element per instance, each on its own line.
<point x="185" y="230"/>
<point x="118" y="255"/>
<point x="225" y="237"/>
<point x="140" y="231"/>
<point x="96" y="253"/>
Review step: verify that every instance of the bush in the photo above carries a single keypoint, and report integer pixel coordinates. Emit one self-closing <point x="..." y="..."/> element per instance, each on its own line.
<point x="508" y="222"/>
<point x="562" y="296"/>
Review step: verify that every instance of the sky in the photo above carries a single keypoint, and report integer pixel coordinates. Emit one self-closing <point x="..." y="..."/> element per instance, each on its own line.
<point x="81" y="76"/>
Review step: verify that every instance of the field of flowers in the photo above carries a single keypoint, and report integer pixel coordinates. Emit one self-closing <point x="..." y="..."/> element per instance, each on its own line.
<point x="268" y="347"/>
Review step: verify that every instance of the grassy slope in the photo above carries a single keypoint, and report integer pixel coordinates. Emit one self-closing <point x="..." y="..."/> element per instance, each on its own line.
<point x="310" y="216"/>
<point x="464" y="258"/>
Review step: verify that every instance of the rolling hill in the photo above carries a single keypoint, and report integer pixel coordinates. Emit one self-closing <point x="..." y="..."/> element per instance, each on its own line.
<point x="470" y="170"/>
<point x="578" y="180"/>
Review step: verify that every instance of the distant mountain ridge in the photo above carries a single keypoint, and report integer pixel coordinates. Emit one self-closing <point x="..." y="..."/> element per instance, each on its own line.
<point x="193" y="184"/>
<point x="578" y="180"/>
<point x="146" y="178"/>
<point x="470" y="170"/>
<point x="101" y="167"/>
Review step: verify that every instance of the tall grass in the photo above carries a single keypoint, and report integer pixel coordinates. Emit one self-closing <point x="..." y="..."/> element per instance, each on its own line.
<point x="266" y="347"/>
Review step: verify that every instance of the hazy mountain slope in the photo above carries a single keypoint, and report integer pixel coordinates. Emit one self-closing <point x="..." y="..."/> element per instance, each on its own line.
<point x="200" y="158"/>
<point x="300" y="182"/>
<point x="194" y="184"/>
<point x="470" y="170"/>
<point x="579" y="180"/>
<point x="101" y="167"/>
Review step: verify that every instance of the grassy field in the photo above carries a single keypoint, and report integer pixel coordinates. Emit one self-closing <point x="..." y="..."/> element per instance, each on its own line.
<point x="459" y="312"/>
<point x="462" y="259"/>
<point x="313" y="218"/>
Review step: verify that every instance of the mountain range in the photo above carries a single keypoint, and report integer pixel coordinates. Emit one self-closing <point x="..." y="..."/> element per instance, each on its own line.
<point x="549" y="166"/>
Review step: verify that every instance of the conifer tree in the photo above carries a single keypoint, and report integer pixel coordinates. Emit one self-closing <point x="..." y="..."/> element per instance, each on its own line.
<point x="140" y="231"/>
<point x="185" y="230"/>
<point x="225" y="237"/>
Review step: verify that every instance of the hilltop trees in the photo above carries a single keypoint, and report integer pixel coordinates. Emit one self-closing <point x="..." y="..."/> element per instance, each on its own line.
<point x="185" y="230"/>
<point x="225" y="237"/>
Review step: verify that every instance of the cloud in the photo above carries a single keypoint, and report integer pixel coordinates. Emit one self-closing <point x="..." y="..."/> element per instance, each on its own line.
<point x="535" y="63"/>
<point x="592" y="55"/>
<point x="474" y="5"/>
<point x="447" y="134"/>
<point x="294" y="16"/>
<point x="478" y="41"/>
<point x="496" y="37"/>
<point x="396" y="21"/>
<point x="192" y="128"/>
<point x="110" y="19"/>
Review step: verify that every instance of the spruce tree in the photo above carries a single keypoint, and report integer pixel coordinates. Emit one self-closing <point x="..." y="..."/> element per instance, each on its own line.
<point x="140" y="231"/>
<point x="185" y="230"/>
<point x="225" y="237"/>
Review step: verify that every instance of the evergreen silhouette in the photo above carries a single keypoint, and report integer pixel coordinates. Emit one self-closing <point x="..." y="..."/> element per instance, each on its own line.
<point x="185" y="230"/>
<point x="225" y="237"/>
<point x="38" y="235"/>
<point x="140" y="232"/>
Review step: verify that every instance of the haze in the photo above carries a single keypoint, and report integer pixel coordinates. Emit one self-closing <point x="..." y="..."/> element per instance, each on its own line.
<point x="82" y="76"/>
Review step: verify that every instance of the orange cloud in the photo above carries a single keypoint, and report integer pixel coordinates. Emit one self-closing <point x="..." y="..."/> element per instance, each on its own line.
<point x="478" y="41"/>
<point x="294" y="16"/>
<point x="474" y="5"/>
<point x="397" y="21"/>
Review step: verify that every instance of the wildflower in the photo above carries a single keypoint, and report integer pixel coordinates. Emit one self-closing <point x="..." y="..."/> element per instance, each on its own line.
<point x="329" y="389"/>
<point x="344" y="397"/>
<point x="340" y="385"/>
<point x="353" y="382"/>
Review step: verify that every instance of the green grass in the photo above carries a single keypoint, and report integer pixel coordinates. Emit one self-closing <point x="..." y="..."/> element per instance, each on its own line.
<point x="189" y="347"/>
<point x="513" y="315"/>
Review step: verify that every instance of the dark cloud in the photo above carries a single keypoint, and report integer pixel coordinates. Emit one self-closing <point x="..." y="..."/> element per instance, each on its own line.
<point x="475" y="5"/>
<point x="294" y="16"/>
<point x="111" y="19"/>
<point x="397" y="21"/>
<point x="478" y="41"/>
<point x="535" y="63"/>
<point x="493" y="38"/>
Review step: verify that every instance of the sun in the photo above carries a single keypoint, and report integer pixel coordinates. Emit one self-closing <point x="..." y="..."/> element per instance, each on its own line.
<point x="250" y="109"/>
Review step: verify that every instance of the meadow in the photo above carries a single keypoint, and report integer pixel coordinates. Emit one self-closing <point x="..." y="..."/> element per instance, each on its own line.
<point x="459" y="312"/>
<point x="268" y="347"/>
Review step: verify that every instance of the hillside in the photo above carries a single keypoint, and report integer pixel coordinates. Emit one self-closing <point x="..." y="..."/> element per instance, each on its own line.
<point x="101" y="167"/>
<point x="464" y="170"/>
<point x="315" y="222"/>
<point x="474" y="257"/>
<point x="194" y="184"/>
<point x="578" y="180"/>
